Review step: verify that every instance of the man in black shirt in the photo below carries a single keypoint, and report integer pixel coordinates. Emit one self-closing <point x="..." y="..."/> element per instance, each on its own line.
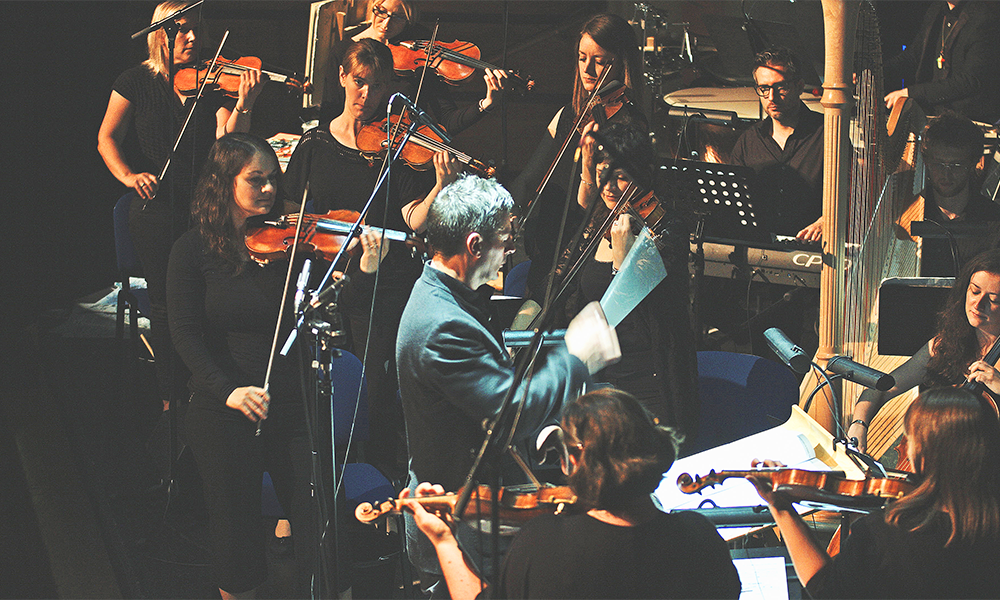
<point x="952" y="146"/>
<point x="785" y="150"/>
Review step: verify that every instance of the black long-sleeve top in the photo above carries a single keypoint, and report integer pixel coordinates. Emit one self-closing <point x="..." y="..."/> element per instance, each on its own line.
<point x="878" y="560"/>
<point x="968" y="81"/>
<point x="222" y="321"/>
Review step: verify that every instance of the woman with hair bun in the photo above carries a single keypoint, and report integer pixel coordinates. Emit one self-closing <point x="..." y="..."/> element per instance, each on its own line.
<point x="619" y="545"/>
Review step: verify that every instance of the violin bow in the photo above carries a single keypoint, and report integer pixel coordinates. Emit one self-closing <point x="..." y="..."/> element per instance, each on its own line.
<point x="598" y="87"/>
<point x="190" y="113"/>
<point x="284" y="296"/>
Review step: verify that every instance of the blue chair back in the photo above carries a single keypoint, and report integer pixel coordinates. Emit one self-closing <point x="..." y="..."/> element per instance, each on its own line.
<point x="740" y="395"/>
<point x="517" y="279"/>
<point x="345" y="375"/>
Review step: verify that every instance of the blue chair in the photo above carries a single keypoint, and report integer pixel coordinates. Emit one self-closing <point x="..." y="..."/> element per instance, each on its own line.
<point x="740" y="395"/>
<point x="516" y="280"/>
<point x="136" y="301"/>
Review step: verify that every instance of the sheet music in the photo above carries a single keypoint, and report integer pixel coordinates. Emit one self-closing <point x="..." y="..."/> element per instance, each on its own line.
<point x="762" y="578"/>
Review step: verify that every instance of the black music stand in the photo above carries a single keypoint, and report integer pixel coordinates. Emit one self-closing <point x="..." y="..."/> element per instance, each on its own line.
<point x="907" y="312"/>
<point x="723" y="193"/>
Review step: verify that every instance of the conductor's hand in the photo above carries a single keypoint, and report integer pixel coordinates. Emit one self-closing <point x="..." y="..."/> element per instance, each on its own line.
<point x="251" y="401"/>
<point x="436" y="526"/>
<point x="591" y="339"/>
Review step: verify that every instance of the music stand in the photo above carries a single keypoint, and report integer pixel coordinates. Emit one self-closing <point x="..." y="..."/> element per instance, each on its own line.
<point x="907" y="313"/>
<point x="724" y="193"/>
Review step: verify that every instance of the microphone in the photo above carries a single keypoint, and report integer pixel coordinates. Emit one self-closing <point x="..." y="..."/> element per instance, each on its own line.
<point x="300" y="285"/>
<point x="422" y="117"/>
<point x="328" y="294"/>
<point x="789" y="353"/>
<point x="860" y="374"/>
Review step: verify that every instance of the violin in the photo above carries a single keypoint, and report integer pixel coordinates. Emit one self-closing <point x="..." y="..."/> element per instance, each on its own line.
<point x="226" y="76"/>
<point x="830" y="490"/>
<point x="321" y="236"/>
<point x="517" y="504"/>
<point x="453" y="61"/>
<point x="603" y="106"/>
<point x="418" y="152"/>
<point x="643" y="206"/>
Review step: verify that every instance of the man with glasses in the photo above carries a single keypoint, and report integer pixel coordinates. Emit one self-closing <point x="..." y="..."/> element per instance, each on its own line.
<point x="785" y="149"/>
<point x="454" y="370"/>
<point x="952" y="146"/>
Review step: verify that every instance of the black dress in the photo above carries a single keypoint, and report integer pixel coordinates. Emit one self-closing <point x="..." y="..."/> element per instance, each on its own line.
<point x="222" y="321"/>
<point x="658" y="365"/>
<point x="878" y="560"/>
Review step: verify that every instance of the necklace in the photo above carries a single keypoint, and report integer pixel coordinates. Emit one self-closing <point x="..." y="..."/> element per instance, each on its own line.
<point x="944" y="38"/>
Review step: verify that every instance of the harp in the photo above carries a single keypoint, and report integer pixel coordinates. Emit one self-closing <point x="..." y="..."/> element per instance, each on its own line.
<point x="868" y="201"/>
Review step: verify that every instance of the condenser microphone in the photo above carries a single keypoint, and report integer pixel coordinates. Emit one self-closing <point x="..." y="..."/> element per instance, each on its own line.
<point x="789" y="353"/>
<point x="860" y="374"/>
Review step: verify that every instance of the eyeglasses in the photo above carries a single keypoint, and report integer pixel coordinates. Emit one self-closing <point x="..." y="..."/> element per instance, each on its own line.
<point x="948" y="167"/>
<point x="382" y="13"/>
<point x="781" y="89"/>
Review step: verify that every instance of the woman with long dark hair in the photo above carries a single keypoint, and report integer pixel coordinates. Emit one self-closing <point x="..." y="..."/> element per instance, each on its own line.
<point x="223" y="311"/>
<point x="967" y="328"/>
<point x="619" y="545"/>
<point x="605" y="41"/>
<point x="939" y="541"/>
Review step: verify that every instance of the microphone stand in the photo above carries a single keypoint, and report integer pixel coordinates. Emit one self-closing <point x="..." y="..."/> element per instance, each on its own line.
<point x="504" y="425"/>
<point x="323" y="361"/>
<point x="164" y="23"/>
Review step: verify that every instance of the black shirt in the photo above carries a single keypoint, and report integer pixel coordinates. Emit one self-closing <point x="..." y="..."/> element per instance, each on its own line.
<point x="788" y="193"/>
<point x="576" y="556"/>
<point x="936" y="257"/>
<point x="878" y="560"/>
<point x="158" y="116"/>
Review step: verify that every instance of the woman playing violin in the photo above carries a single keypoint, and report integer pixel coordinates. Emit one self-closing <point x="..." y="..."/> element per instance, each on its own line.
<point x="622" y="546"/>
<point x="658" y="364"/>
<point x="939" y="541"/>
<point x="342" y="177"/>
<point x="393" y="21"/>
<point x="139" y="129"/>
<point x="967" y="328"/>
<point x="606" y="40"/>
<point x="223" y="310"/>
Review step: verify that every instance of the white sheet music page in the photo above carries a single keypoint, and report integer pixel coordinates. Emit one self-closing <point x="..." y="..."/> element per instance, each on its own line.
<point x="762" y="578"/>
